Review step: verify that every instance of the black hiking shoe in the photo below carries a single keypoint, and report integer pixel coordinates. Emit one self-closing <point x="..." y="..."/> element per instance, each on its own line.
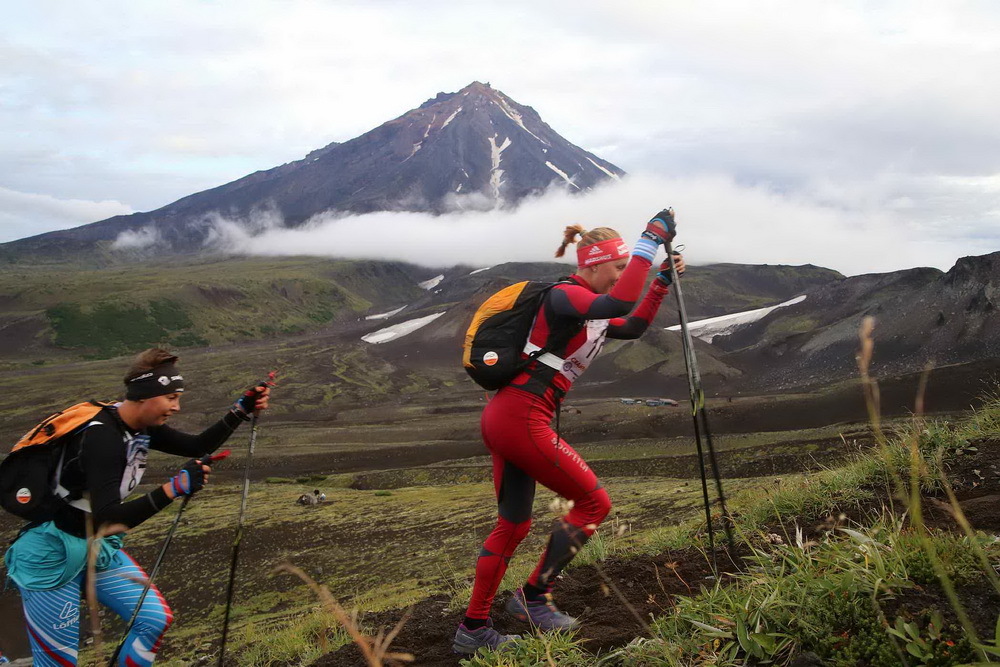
<point x="542" y="614"/>
<point x="469" y="641"/>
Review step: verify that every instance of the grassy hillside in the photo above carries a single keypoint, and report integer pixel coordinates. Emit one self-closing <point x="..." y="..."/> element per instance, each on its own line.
<point x="99" y="313"/>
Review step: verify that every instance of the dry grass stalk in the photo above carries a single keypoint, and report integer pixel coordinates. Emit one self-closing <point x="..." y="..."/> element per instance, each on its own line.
<point x="673" y="568"/>
<point x="621" y="597"/>
<point x="93" y="550"/>
<point x="955" y="509"/>
<point x="918" y="468"/>
<point x="868" y="384"/>
<point x="374" y="650"/>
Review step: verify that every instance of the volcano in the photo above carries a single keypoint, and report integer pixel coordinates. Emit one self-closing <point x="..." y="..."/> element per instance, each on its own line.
<point x="473" y="149"/>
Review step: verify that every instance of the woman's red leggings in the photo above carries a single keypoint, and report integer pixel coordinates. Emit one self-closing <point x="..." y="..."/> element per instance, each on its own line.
<point x="525" y="449"/>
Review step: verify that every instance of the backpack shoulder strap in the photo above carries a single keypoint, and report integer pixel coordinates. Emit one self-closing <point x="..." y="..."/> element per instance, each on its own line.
<point x="543" y="354"/>
<point x="72" y="451"/>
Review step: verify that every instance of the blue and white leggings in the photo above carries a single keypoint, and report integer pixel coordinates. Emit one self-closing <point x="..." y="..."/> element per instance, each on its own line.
<point x="54" y="616"/>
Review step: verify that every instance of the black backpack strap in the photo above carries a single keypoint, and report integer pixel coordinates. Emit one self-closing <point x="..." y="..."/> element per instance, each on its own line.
<point x="73" y="448"/>
<point x="540" y="377"/>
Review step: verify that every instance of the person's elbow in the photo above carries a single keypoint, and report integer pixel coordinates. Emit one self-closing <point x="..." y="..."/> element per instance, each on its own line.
<point x="619" y="308"/>
<point x="631" y="330"/>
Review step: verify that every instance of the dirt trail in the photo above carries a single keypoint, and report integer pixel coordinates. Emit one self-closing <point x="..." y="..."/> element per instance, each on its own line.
<point x="591" y="593"/>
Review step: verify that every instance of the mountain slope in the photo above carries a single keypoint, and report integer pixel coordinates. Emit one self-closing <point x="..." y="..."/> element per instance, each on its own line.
<point x="51" y="312"/>
<point x="476" y="148"/>
<point x="922" y="316"/>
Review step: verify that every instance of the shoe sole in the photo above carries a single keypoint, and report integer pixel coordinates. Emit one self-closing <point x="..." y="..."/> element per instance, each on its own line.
<point x="460" y="649"/>
<point x="521" y="616"/>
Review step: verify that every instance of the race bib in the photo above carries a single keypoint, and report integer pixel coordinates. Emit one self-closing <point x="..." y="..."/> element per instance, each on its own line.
<point x="136" y="453"/>
<point x="576" y="363"/>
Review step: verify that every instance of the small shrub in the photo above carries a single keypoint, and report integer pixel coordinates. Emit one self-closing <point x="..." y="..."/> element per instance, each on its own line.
<point x="955" y="554"/>
<point x="278" y="480"/>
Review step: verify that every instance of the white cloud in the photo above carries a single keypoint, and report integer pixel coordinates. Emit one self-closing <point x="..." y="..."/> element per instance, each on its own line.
<point x="26" y="214"/>
<point x="874" y="108"/>
<point x="719" y="221"/>
<point x="137" y="239"/>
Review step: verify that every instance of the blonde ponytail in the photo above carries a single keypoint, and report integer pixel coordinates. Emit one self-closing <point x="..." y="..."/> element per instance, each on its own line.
<point x="569" y="236"/>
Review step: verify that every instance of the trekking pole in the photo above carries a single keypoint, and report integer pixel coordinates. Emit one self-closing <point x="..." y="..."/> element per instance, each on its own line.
<point x="699" y="415"/>
<point x="269" y="382"/>
<point x="206" y="460"/>
<point x="237" y="539"/>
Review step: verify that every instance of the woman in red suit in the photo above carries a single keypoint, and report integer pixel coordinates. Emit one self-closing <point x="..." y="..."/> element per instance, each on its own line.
<point x="573" y="323"/>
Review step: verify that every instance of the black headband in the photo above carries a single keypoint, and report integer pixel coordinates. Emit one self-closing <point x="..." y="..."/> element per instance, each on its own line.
<point x="163" y="379"/>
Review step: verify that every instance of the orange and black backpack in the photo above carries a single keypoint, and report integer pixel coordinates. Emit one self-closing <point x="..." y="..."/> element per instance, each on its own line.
<point x="499" y="332"/>
<point x="29" y="476"/>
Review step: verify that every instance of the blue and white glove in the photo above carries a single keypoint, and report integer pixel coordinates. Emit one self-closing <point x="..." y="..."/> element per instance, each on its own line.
<point x="190" y="479"/>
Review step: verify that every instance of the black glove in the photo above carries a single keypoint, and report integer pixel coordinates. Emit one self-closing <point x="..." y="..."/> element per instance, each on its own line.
<point x="662" y="228"/>
<point x="189" y="479"/>
<point x="664" y="277"/>
<point x="246" y="404"/>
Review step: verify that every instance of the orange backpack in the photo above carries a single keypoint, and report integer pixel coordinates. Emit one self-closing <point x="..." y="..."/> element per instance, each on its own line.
<point x="29" y="476"/>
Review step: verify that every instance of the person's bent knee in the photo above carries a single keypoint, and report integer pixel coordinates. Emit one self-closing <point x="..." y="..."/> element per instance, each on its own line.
<point x="155" y="619"/>
<point x="589" y="512"/>
<point x="154" y="628"/>
<point x="602" y="504"/>
<point x="506" y="536"/>
<point x="521" y="530"/>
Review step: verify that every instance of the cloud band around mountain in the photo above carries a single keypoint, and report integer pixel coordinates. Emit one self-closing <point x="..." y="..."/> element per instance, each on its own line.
<point x="719" y="221"/>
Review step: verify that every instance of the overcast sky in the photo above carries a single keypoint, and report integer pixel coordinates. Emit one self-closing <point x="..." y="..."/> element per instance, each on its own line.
<point x="858" y="135"/>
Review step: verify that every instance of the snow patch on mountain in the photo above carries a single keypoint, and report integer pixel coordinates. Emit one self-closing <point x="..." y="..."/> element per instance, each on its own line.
<point x="432" y="283"/>
<point x="385" y="316"/>
<point x="451" y="118"/>
<point x="416" y="147"/>
<point x="399" y="330"/>
<point x="609" y="173"/>
<point x="511" y="113"/>
<point x="561" y="173"/>
<point x="480" y="270"/>
<point x="496" y="173"/>
<point x="708" y="329"/>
